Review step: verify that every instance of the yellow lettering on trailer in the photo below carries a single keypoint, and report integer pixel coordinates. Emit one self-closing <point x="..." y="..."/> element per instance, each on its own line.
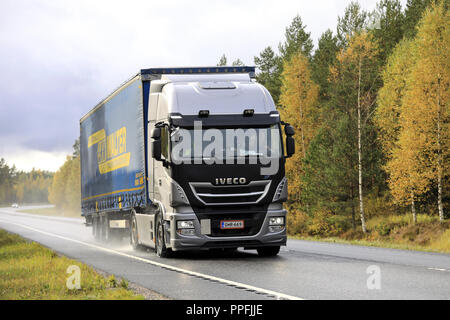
<point x="116" y="163"/>
<point x="96" y="137"/>
<point x="111" y="149"/>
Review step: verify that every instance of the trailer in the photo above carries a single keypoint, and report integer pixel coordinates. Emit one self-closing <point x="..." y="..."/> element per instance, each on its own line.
<point x="144" y="179"/>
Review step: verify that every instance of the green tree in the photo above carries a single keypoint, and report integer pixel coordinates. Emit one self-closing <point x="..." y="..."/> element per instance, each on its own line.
<point x="222" y="61"/>
<point x="354" y="20"/>
<point x="355" y="78"/>
<point x="269" y="72"/>
<point x="237" y="62"/>
<point x="8" y="179"/>
<point x="387" y="26"/>
<point x="329" y="180"/>
<point x="413" y="14"/>
<point x="76" y="148"/>
<point x="296" y="40"/>
<point x="324" y="57"/>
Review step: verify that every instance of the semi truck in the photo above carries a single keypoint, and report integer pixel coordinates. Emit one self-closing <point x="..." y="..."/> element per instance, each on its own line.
<point x="187" y="159"/>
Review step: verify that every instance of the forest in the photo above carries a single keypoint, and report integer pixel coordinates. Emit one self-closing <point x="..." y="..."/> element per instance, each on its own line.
<point x="370" y="109"/>
<point x="23" y="187"/>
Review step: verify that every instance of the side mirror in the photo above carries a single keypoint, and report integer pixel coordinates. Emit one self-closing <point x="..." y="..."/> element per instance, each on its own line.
<point x="156" y="149"/>
<point x="156" y="133"/>
<point x="290" y="142"/>
<point x="290" y="146"/>
<point x="156" y="143"/>
<point x="289" y="130"/>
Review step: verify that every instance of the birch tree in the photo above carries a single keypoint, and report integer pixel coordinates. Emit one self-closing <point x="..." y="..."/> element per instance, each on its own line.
<point x="355" y="77"/>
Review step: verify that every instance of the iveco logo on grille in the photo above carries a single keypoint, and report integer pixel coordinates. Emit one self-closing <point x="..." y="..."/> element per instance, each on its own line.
<point x="225" y="181"/>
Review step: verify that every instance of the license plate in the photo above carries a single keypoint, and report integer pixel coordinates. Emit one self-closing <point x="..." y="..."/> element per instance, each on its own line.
<point x="232" y="224"/>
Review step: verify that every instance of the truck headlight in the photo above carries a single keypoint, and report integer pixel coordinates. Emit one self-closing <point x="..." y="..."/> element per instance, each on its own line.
<point x="186" y="227"/>
<point x="276" y="221"/>
<point x="185" y="224"/>
<point x="187" y="232"/>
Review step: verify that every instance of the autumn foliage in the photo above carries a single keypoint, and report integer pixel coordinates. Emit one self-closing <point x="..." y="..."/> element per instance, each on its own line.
<point x="65" y="189"/>
<point x="300" y="108"/>
<point x="415" y="129"/>
<point x="370" y="109"/>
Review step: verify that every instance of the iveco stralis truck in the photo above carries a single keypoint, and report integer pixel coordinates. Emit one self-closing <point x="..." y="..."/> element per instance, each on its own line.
<point x="187" y="159"/>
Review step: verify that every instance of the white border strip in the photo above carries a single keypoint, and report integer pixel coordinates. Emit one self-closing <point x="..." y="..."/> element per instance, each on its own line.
<point x="239" y="285"/>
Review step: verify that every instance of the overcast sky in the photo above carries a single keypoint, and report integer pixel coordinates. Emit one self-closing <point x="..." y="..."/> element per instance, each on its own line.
<point x="59" y="58"/>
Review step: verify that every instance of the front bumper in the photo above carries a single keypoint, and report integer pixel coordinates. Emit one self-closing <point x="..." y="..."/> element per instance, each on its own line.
<point x="201" y="241"/>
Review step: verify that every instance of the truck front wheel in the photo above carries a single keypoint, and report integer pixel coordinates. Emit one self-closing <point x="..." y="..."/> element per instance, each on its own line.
<point x="160" y="243"/>
<point x="268" y="251"/>
<point x="134" y="238"/>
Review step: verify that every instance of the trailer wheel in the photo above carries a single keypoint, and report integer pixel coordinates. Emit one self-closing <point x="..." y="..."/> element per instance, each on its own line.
<point x="106" y="232"/>
<point x="160" y="244"/>
<point x="96" y="230"/>
<point x="268" y="251"/>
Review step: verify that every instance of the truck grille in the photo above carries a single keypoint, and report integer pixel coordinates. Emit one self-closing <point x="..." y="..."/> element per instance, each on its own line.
<point x="212" y="195"/>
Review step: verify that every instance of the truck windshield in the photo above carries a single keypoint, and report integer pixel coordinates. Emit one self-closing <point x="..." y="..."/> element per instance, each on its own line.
<point x="213" y="143"/>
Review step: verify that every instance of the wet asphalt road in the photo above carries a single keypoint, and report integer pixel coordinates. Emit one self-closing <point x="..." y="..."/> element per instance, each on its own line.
<point x="302" y="270"/>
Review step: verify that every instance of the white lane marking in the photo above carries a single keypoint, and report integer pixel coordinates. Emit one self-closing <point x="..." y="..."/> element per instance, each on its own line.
<point x="278" y="295"/>
<point x="439" y="269"/>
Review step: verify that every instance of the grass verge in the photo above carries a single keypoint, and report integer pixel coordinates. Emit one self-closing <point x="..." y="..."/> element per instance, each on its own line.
<point x="396" y="232"/>
<point x="29" y="271"/>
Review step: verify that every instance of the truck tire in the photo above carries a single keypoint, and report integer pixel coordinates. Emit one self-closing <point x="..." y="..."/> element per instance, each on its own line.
<point x="104" y="229"/>
<point x="134" y="237"/>
<point x="160" y="243"/>
<point x="96" y="229"/>
<point x="268" y="251"/>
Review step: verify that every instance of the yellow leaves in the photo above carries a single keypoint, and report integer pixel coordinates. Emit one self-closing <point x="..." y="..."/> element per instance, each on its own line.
<point x="416" y="86"/>
<point x="65" y="189"/>
<point x="361" y="46"/>
<point x="298" y="98"/>
<point x="391" y="94"/>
